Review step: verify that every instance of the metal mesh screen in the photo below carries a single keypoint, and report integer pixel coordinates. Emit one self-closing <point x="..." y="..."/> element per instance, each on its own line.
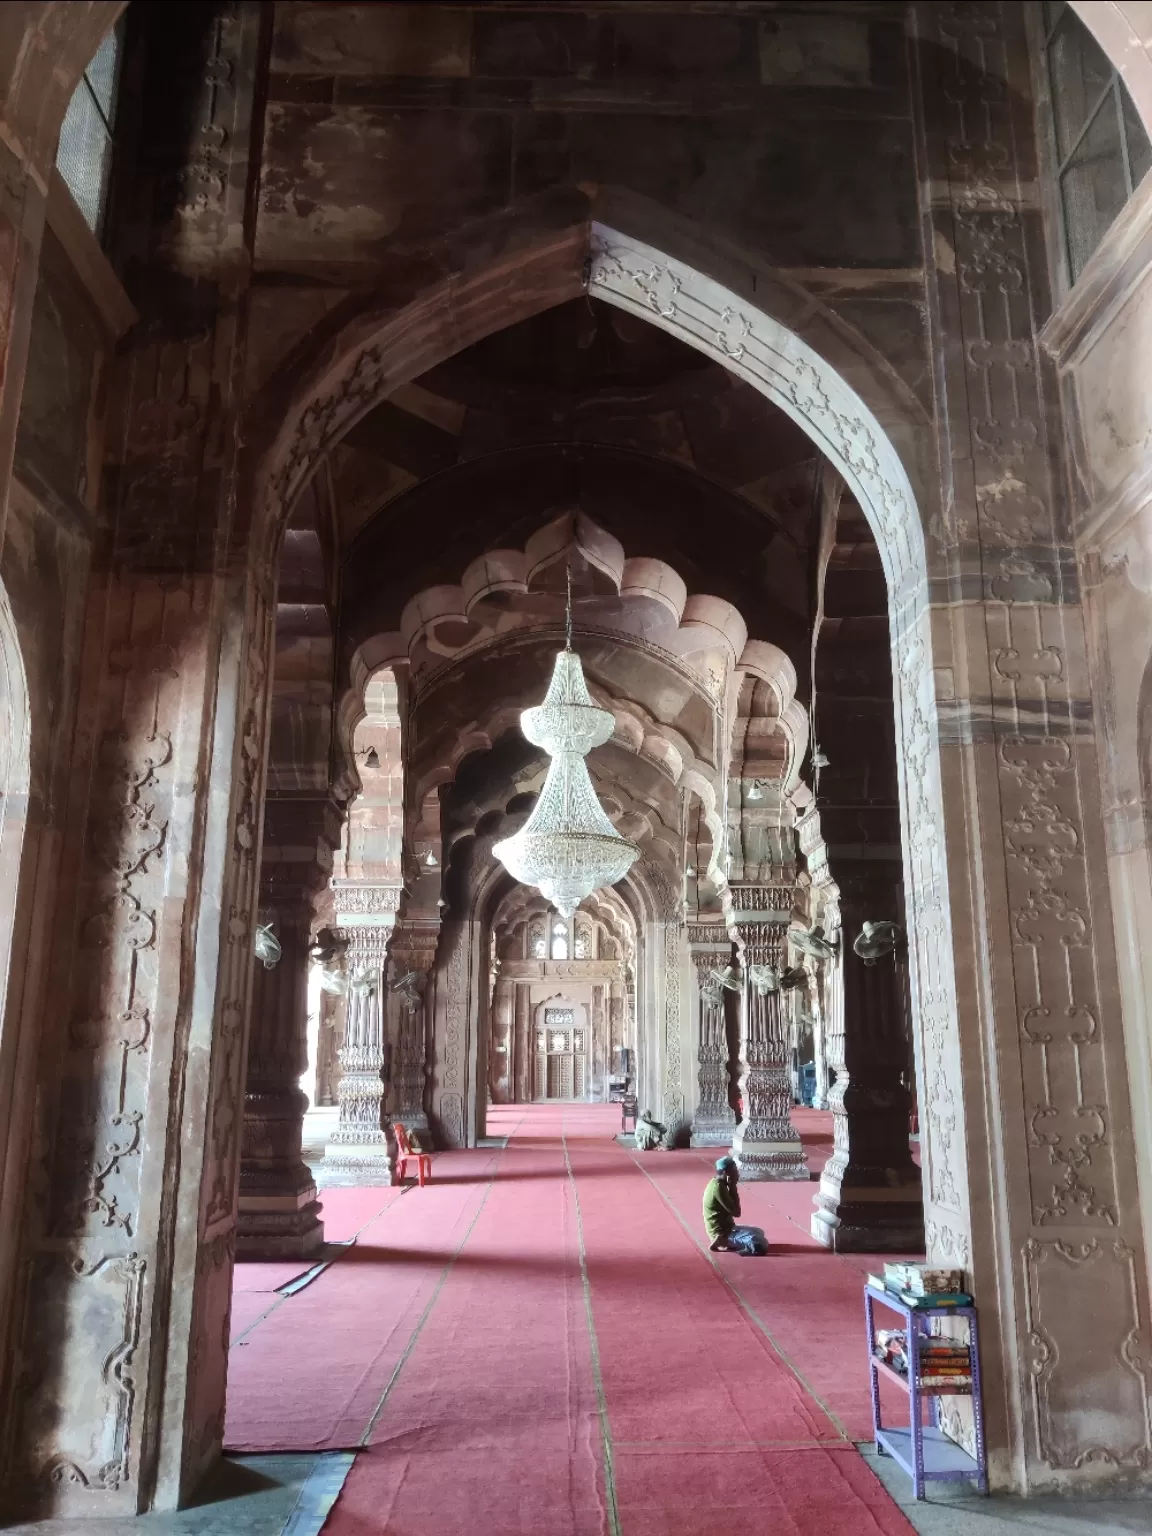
<point x="84" y="154"/>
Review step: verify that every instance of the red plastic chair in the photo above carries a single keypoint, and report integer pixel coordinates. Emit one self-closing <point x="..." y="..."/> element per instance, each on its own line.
<point x="406" y="1153"/>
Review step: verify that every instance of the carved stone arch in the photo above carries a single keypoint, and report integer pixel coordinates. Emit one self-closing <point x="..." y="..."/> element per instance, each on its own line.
<point x="365" y="350"/>
<point x="834" y="387"/>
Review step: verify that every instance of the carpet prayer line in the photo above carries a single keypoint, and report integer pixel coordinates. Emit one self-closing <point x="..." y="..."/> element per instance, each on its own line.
<point x="540" y="1342"/>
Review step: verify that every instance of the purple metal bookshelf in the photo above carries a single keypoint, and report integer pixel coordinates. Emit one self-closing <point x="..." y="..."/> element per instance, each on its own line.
<point x="925" y="1451"/>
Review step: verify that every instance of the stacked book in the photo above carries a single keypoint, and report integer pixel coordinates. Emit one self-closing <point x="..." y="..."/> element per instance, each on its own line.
<point x="944" y="1363"/>
<point x="921" y="1287"/>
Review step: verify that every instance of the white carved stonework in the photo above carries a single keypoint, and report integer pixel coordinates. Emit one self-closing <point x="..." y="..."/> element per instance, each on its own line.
<point x="357" y="900"/>
<point x="359" y="1141"/>
<point x="714" y="1123"/>
<point x="766" y="1145"/>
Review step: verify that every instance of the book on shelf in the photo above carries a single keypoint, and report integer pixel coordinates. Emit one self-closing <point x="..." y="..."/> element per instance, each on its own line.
<point x="923" y="1279"/>
<point x="920" y="1300"/>
<point x="937" y="1299"/>
<point x="944" y="1381"/>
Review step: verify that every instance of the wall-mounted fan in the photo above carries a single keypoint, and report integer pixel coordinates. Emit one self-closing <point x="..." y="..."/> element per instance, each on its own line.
<point x="717" y="982"/>
<point x="764" y="978"/>
<point x="876" y="940"/>
<point x="326" y="952"/>
<point x="812" y="941"/>
<point x="795" y="976"/>
<point x="408" y="989"/>
<point x="267" y="946"/>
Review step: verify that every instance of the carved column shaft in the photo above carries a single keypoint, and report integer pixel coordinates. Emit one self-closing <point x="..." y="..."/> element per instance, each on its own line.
<point x="129" y="1227"/>
<point x="766" y="1145"/>
<point x="413" y="954"/>
<point x="359" y="1142"/>
<point x="525" y="1055"/>
<point x="714" y="1124"/>
<point x="869" y="1198"/>
<point x="278" y="1210"/>
<point x="1030" y="1175"/>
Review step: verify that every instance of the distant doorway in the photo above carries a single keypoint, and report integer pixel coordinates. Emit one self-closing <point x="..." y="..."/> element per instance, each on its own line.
<point x="561" y="1055"/>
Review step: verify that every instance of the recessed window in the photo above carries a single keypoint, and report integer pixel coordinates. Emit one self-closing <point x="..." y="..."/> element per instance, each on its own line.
<point x="84" y="154"/>
<point x="559" y="941"/>
<point x="1101" y="148"/>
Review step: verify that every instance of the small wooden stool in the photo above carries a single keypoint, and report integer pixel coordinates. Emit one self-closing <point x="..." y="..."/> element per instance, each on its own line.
<point x="628" y="1111"/>
<point x="406" y="1153"/>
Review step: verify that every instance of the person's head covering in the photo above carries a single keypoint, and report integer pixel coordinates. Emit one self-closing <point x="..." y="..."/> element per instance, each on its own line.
<point x="725" y="1164"/>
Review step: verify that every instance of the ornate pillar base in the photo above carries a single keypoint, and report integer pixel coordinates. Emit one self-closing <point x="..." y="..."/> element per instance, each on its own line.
<point x="359" y="1143"/>
<point x="868" y="1220"/>
<point x="280" y="1225"/>
<point x="715" y="1129"/>
<point x="870" y="1198"/>
<point x="372" y="1161"/>
<point x="278" y="1215"/>
<point x="363" y="1149"/>
<point x="762" y="1153"/>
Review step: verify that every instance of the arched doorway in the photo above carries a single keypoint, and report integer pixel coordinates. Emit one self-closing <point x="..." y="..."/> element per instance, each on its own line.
<point x="802" y="383"/>
<point x="985" y="683"/>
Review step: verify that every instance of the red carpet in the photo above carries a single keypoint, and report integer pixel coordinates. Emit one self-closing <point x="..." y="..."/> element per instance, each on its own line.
<point x="536" y="1343"/>
<point x="310" y="1375"/>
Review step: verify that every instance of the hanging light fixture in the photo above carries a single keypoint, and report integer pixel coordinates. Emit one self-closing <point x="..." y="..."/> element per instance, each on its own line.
<point x="431" y="861"/>
<point x="567" y="848"/>
<point x="755" y="792"/>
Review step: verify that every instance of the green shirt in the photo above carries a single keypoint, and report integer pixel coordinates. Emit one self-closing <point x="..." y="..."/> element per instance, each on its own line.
<point x="721" y="1208"/>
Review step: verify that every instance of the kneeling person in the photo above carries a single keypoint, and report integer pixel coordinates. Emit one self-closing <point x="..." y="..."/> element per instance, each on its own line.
<point x="722" y="1211"/>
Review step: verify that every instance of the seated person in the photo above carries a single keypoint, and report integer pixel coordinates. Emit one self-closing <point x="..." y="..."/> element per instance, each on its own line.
<point x="721" y="1211"/>
<point x="649" y="1133"/>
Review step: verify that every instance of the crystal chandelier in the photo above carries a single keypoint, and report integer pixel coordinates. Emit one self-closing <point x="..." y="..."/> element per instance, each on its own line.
<point x="567" y="848"/>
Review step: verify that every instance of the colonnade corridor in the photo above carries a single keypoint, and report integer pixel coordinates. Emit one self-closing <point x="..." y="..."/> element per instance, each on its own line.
<point x="538" y="1342"/>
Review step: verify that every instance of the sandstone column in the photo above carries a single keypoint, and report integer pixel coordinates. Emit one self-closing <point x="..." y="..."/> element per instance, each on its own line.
<point x="365" y="917"/>
<point x="766" y="1144"/>
<point x="869" y="1197"/>
<point x="714" y="1124"/>
<point x="129" y="1226"/>
<point x="1030" y="1179"/>
<point x="413" y="955"/>
<point x="278" y="1211"/>
<point x="525" y="1045"/>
